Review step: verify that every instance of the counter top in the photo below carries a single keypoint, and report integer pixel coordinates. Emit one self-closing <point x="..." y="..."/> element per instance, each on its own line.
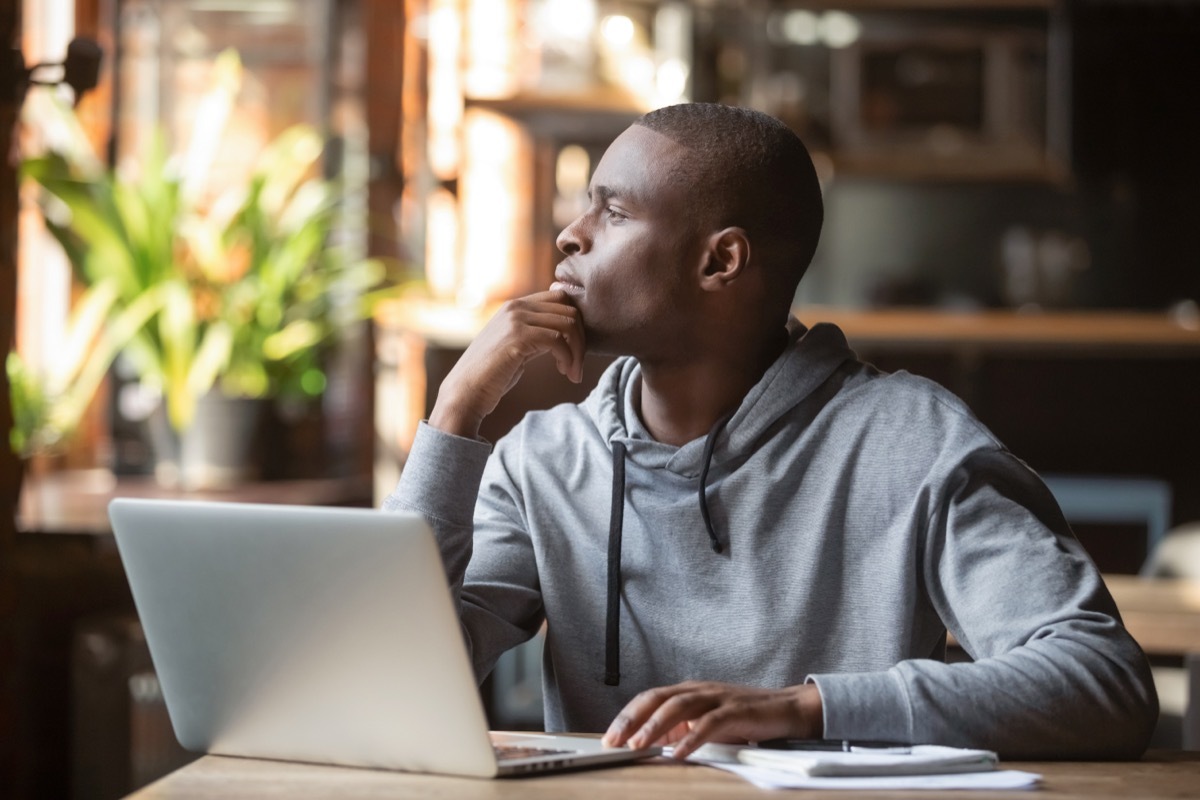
<point x="76" y="501"/>
<point x="1106" y="332"/>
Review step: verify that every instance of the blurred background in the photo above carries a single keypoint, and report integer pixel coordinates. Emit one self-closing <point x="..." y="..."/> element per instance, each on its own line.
<point x="242" y="242"/>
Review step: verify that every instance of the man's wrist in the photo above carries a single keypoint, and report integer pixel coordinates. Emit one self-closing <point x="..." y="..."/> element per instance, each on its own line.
<point x="450" y="418"/>
<point x="810" y="711"/>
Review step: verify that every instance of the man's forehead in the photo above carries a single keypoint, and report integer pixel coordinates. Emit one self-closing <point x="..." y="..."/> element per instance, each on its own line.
<point x="639" y="162"/>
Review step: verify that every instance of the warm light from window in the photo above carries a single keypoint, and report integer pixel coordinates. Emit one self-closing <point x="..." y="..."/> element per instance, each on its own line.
<point x="492" y="48"/>
<point x="441" y="243"/>
<point x="638" y="74"/>
<point x="495" y="193"/>
<point x="571" y="170"/>
<point x="673" y="52"/>
<point x="671" y="81"/>
<point x="445" y="88"/>
<point x="566" y="19"/>
<point x="43" y="272"/>
<point x="617" y="29"/>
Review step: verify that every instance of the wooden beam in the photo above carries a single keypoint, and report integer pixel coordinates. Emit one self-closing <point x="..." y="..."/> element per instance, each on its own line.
<point x="10" y="465"/>
<point x="383" y="26"/>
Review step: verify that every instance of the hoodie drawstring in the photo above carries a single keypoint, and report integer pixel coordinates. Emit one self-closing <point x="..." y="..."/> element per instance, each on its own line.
<point x="612" y="641"/>
<point x="612" y="632"/>
<point x="709" y="444"/>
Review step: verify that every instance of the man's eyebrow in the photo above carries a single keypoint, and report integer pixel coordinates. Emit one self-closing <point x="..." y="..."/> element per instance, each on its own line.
<point x="605" y="193"/>
<point x="601" y="193"/>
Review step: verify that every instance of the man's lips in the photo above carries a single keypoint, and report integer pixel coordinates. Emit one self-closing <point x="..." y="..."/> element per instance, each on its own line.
<point x="566" y="284"/>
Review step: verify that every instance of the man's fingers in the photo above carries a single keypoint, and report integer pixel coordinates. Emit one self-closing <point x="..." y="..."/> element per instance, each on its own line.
<point x="653" y="714"/>
<point x="523" y="329"/>
<point x="558" y="343"/>
<point x="573" y="339"/>
<point x="674" y="712"/>
<point x="542" y="304"/>
<point x="709" y="727"/>
<point x="634" y="714"/>
<point x="554" y="310"/>
<point x="562" y="335"/>
<point x="706" y="711"/>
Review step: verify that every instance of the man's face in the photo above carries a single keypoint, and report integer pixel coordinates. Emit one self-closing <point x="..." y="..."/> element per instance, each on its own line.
<point x="630" y="255"/>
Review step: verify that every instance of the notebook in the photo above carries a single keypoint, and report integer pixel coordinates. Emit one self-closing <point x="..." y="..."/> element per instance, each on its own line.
<point x="323" y="635"/>
<point x="915" y="760"/>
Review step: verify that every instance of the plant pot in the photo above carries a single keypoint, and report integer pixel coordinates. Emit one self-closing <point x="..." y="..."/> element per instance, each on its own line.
<point x="219" y="450"/>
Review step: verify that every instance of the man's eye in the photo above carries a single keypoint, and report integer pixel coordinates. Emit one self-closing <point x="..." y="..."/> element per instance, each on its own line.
<point x="614" y="215"/>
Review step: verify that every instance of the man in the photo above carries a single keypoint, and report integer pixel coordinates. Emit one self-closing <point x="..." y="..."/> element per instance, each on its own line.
<point x="744" y="532"/>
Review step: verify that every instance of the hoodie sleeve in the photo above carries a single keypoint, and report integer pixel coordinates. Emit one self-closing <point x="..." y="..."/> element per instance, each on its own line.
<point x="500" y="606"/>
<point x="1054" y="673"/>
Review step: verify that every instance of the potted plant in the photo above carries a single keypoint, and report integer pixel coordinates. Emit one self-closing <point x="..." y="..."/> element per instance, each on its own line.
<point x="211" y="297"/>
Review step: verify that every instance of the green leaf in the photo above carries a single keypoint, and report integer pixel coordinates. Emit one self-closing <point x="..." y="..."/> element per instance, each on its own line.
<point x="87" y="320"/>
<point x="122" y="327"/>
<point x="28" y="406"/>
<point x="178" y="334"/>
<point x="296" y="336"/>
<point x="284" y="163"/>
<point x="211" y="358"/>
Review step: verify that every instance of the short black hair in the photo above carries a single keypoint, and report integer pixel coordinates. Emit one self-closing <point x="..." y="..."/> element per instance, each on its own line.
<point x="750" y="170"/>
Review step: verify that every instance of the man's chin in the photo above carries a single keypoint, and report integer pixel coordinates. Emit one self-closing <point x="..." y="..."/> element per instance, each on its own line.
<point x="612" y="343"/>
<point x="598" y="344"/>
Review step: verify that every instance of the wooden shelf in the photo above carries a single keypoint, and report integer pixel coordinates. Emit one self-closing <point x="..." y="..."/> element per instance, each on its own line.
<point x="922" y="166"/>
<point x="1104" y="332"/>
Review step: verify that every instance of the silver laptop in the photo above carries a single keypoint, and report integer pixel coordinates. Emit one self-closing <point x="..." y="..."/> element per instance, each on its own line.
<point x="324" y="635"/>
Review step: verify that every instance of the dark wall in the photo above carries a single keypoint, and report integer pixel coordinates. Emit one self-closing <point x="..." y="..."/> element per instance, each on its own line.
<point x="1136" y="139"/>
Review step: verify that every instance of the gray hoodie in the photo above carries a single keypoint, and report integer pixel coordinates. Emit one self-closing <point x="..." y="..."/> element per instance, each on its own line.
<point x="831" y="530"/>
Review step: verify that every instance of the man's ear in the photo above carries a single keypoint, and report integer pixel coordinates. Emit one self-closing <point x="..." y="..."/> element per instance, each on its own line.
<point x="726" y="255"/>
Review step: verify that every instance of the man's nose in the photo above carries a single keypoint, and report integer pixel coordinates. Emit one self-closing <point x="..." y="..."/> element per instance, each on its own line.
<point x="572" y="240"/>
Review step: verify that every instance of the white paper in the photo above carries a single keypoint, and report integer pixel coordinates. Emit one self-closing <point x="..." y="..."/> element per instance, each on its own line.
<point x="726" y="757"/>
<point x="765" y="778"/>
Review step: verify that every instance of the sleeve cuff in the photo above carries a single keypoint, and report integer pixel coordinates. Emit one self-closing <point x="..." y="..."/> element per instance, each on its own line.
<point x="865" y="705"/>
<point x="441" y="477"/>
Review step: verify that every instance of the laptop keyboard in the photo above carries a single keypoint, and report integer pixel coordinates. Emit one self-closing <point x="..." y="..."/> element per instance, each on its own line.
<point x="508" y="751"/>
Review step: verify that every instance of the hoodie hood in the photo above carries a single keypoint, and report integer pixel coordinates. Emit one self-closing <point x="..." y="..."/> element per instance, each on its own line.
<point x="811" y="357"/>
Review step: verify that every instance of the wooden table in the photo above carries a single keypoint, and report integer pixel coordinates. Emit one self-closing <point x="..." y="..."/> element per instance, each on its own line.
<point x="1162" y="774"/>
<point x="1162" y="614"/>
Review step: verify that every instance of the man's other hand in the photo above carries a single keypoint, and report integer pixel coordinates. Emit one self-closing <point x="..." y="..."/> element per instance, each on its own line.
<point x="521" y="330"/>
<point x="689" y="714"/>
